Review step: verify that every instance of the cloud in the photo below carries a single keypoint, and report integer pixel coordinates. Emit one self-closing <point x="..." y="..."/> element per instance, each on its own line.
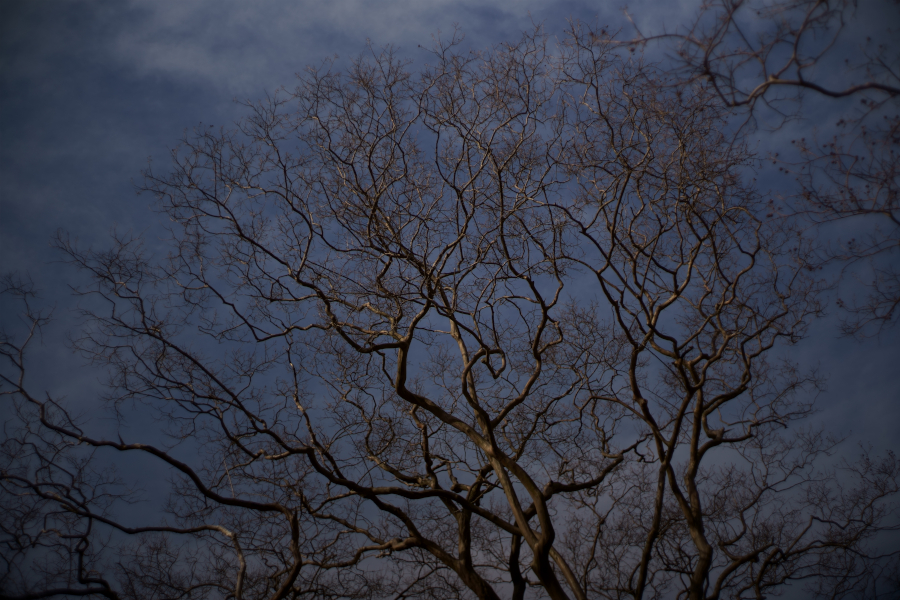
<point x="234" y="45"/>
<point x="238" y="46"/>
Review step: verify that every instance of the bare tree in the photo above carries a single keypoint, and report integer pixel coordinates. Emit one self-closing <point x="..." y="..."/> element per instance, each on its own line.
<point x="511" y="326"/>
<point x="773" y="61"/>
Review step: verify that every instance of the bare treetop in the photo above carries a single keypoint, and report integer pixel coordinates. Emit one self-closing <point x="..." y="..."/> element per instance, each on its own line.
<point x="513" y="325"/>
<point x="773" y="62"/>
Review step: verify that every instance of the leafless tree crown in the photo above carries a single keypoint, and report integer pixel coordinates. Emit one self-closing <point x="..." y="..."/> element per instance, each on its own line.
<point x="777" y="61"/>
<point x="512" y="325"/>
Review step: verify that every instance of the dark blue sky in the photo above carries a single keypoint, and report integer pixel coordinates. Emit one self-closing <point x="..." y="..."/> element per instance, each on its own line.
<point x="91" y="90"/>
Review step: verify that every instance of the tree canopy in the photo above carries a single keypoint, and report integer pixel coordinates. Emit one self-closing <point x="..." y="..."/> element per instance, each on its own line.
<point x="514" y="323"/>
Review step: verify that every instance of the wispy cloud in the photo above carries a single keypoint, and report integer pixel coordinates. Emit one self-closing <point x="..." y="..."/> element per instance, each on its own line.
<point x="236" y="46"/>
